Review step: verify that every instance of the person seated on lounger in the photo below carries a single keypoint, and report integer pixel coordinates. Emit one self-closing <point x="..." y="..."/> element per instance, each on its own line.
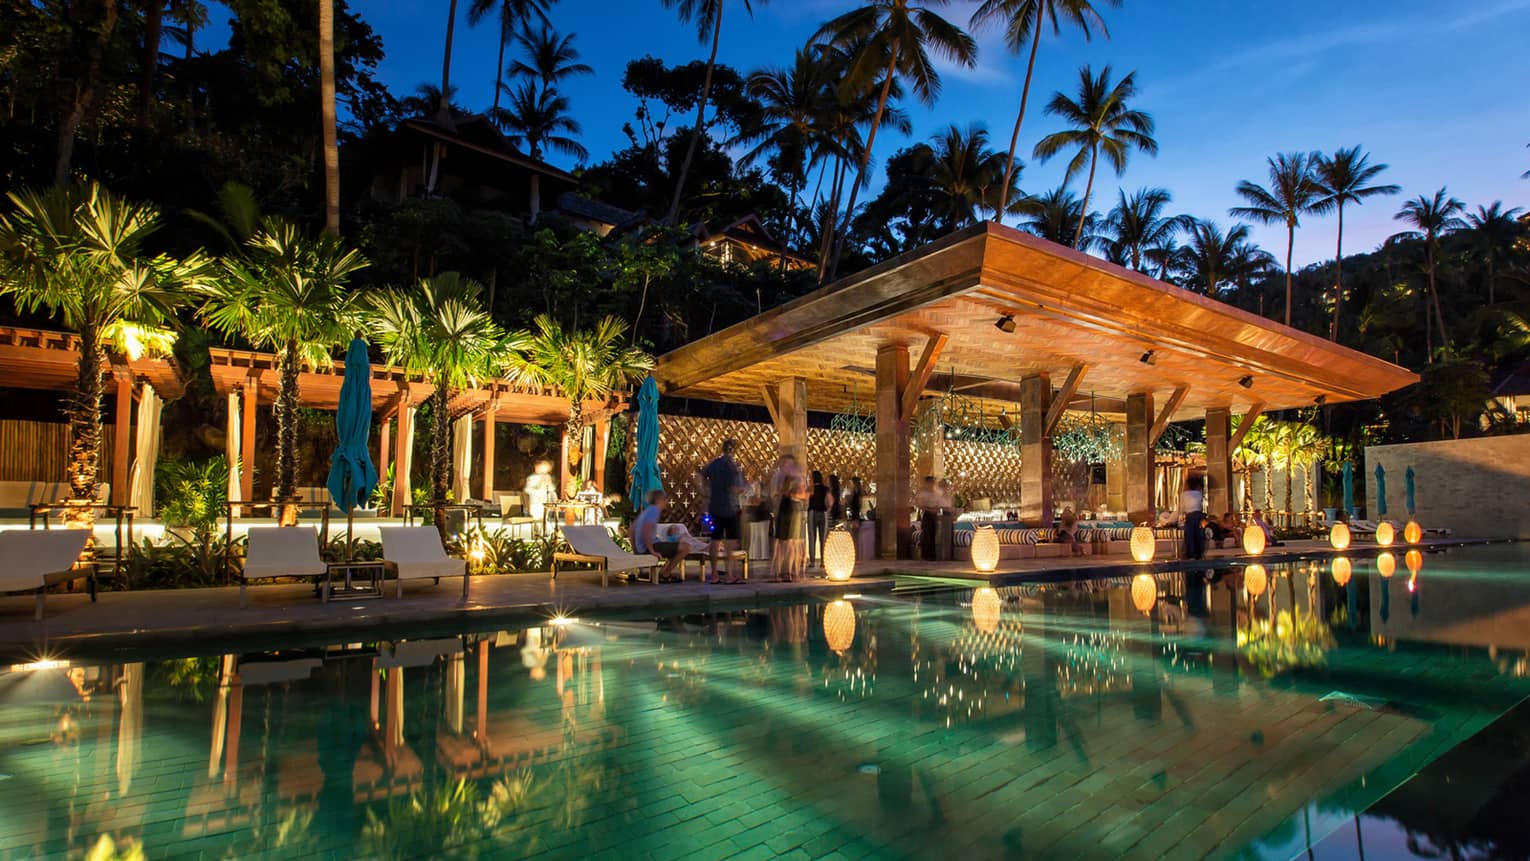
<point x="1067" y="531"/>
<point x="646" y="537"/>
<point x="1233" y="527"/>
<point x="1260" y="523"/>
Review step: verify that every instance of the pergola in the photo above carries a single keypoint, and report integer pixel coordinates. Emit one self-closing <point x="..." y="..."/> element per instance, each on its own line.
<point x="1008" y="318"/>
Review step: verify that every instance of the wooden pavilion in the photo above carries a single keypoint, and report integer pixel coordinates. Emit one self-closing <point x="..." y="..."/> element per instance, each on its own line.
<point x="1011" y="319"/>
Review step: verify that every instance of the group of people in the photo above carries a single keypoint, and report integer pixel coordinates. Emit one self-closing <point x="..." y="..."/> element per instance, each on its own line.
<point x="1198" y="528"/>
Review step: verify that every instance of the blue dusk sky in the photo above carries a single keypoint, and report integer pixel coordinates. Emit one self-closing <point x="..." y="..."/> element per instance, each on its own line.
<point x="1436" y="91"/>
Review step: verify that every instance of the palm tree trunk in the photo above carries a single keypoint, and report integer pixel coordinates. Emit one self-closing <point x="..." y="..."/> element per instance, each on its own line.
<point x="327" y="111"/>
<point x="444" y="109"/>
<point x="701" y="121"/>
<point x="1014" y="138"/>
<point x="286" y="421"/>
<point x="860" y="174"/>
<point x="1492" y="281"/>
<point x="1338" y="277"/>
<point x="84" y="413"/>
<point x="1290" y="245"/>
<point x="440" y="454"/>
<point x="83" y="93"/>
<point x="191" y="88"/>
<point x="1434" y="298"/>
<point x="154" y="19"/>
<point x="499" y="66"/>
<point x="1083" y="215"/>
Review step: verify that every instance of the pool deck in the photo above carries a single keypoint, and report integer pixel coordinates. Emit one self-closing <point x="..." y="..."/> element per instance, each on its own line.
<point x="180" y="619"/>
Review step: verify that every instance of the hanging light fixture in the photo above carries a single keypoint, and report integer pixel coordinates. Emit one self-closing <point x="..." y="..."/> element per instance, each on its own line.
<point x="1386" y="565"/>
<point x="839" y="555"/>
<point x="1255" y="579"/>
<point x="839" y="625"/>
<point x="1144" y="593"/>
<point x="1143" y="544"/>
<point x="1342" y="570"/>
<point x="987" y="606"/>
<point x="985" y="549"/>
<point x="1339" y="536"/>
<point x="1385" y="534"/>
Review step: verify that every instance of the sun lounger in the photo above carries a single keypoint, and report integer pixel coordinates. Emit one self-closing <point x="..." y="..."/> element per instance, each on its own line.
<point x="416" y="553"/>
<point x="280" y="551"/>
<point x="593" y="545"/>
<point x="37" y="558"/>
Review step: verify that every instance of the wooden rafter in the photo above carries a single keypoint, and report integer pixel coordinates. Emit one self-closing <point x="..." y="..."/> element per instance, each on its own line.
<point x="921" y="375"/>
<point x="772" y="404"/>
<point x="1064" y="397"/>
<point x="1244" y="427"/>
<point x="1162" y="422"/>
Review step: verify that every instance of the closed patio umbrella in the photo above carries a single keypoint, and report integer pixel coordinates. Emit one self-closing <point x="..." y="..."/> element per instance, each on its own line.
<point x="1408" y="490"/>
<point x="1349" y="489"/>
<point x="645" y="467"/>
<point x="1381" y="491"/>
<point x="351" y="473"/>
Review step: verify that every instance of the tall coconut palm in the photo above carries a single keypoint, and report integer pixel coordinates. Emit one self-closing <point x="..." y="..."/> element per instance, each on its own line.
<point x="1138" y="224"/>
<point x="444" y="110"/>
<point x="513" y="15"/>
<point x="439" y="327"/>
<point x="1430" y="218"/>
<point x="546" y="57"/>
<point x="327" y="115"/>
<point x="1494" y="232"/>
<point x="538" y="118"/>
<point x="895" y="39"/>
<point x="288" y="293"/>
<point x="1215" y="261"/>
<point x="1022" y="19"/>
<point x="1101" y="122"/>
<point x="1055" y="216"/>
<point x="1293" y="192"/>
<point x="707" y="15"/>
<point x="1343" y="178"/>
<point x="80" y="253"/>
<point x="796" y="105"/>
<point x="964" y="175"/>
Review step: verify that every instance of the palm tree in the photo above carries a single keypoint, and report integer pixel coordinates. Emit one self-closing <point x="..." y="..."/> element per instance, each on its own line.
<point x="1292" y="193"/>
<point x="1055" y="216"/>
<point x="1137" y="224"/>
<point x="707" y="16"/>
<point x="287" y="293"/>
<point x="538" y="118"/>
<point x="443" y="110"/>
<point x="1494" y="231"/>
<point x="191" y="14"/>
<point x="1101" y="122"/>
<point x="1022" y="19"/>
<point x="548" y="58"/>
<point x="1342" y="178"/>
<point x="1430" y="218"/>
<point x="582" y="365"/>
<point x="327" y="114"/>
<point x="1216" y="261"/>
<point x="797" y="104"/>
<point x="895" y="39"/>
<point x="440" y="328"/>
<point x="964" y="175"/>
<point x="513" y="14"/>
<point x="78" y="252"/>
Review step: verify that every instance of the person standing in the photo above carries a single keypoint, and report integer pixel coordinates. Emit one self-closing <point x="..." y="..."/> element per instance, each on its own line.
<point x="1192" y="504"/>
<point x="836" y="502"/>
<point x="724" y="482"/>
<point x="927" y="500"/>
<point x="818" y="519"/>
<point x="853" y="500"/>
<point x="786" y="489"/>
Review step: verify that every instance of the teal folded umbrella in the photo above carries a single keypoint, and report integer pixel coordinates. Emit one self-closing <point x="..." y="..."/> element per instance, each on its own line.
<point x="645" y="466"/>
<point x="1381" y="490"/>
<point x="352" y="476"/>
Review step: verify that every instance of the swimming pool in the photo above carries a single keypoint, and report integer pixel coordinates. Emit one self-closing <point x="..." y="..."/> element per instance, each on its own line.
<point x="1173" y="716"/>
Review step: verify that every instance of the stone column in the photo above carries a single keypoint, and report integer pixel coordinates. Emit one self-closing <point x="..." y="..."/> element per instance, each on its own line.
<point x="1139" y="459"/>
<point x="1035" y="451"/>
<point x="791" y="418"/>
<point x="122" y="435"/>
<point x="895" y="531"/>
<point x="1115" y="484"/>
<point x="1219" y="469"/>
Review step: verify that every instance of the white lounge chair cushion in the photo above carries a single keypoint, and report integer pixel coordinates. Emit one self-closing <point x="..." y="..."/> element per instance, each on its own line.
<point x="596" y="541"/>
<point x="418" y="554"/>
<point x="282" y="551"/>
<point x="35" y="558"/>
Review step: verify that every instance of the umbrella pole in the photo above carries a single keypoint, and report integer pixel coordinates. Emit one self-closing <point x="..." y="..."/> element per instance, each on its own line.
<point x="350" y="534"/>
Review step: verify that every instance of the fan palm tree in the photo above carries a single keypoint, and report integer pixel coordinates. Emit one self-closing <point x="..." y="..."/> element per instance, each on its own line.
<point x="538" y="118"/>
<point x="896" y="39"/>
<point x="1494" y="232"/>
<point x="1022" y="20"/>
<point x="1342" y="178"/>
<point x="1101" y="122"/>
<point x="1215" y="260"/>
<point x="327" y="116"/>
<point x="1430" y="218"/>
<point x="79" y="253"/>
<point x="440" y="328"/>
<point x="287" y="293"/>
<point x="513" y="15"/>
<point x="1292" y="193"/>
<point x="707" y="15"/>
<point x="1137" y="224"/>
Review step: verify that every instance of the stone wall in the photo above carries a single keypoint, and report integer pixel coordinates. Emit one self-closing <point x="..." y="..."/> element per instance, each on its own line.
<point x="1474" y="487"/>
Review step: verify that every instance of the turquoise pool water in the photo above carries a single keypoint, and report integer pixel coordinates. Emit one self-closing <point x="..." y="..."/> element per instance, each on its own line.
<point x="1173" y="717"/>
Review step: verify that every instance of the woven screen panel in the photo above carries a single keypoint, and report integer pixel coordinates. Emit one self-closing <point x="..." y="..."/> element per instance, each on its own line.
<point x="984" y="469"/>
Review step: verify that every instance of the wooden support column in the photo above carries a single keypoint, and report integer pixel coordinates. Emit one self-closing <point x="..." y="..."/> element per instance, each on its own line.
<point x="895" y="531"/>
<point x="1219" y="469"/>
<point x="403" y="453"/>
<point x="490" y="423"/>
<point x="602" y="446"/>
<point x="122" y="435"/>
<point x="1035" y="451"/>
<point x="1115" y="484"/>
<point x="787" y="405"/>
<point x="384" y="446"/>
<point x="251" y="397"/>
<point x="1139" y="459"/>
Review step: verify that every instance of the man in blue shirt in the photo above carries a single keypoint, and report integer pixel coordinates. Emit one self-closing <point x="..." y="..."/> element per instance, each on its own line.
<point x="725" y="481"/>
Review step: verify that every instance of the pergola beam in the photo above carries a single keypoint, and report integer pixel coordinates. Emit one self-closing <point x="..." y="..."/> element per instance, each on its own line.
<point x="772" y="405"/>
<point x="1064" y="397"/>
<point x="1244" y="426"/>
<point x="1162" y="422"/>
<point x="921" y="375"/>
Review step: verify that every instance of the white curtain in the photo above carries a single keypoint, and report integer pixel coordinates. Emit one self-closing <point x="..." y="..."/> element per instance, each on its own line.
<point x="462" y="456"/>
<point x="232" y="447"/>
<point x="403" y="460"/>
<point x="146" y="452"/>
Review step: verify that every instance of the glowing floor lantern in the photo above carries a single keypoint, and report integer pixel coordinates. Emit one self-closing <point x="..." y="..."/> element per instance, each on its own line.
<point x="1342" y="570"/>
<point x="1143" y="544"/>
<point x="1255" y="580"/>
<point x="986" y="609"/>
<point x="839" y="555"/>
<point x="985" y="549"/>
<point x="1386" y="565"/>
<point x="1339" y="536"/>
<point x="1253" y="540"/>
<point x="1144" y="592"/>
<point x="1413" y="533"/>
<point x="1414" y="560"/>
<point x="839" y="625"/>
<point x="1385" y="534"/>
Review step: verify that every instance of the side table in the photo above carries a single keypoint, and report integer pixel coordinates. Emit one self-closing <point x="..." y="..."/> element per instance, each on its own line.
<point x="351" y="575"/>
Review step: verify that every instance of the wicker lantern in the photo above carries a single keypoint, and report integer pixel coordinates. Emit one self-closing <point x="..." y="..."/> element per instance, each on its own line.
<point x="985" y="549"/>
<point x="1339" y="536"/>
<point x="1413" y="533"/>
<point x="1253" y="540"/>
<point x="1143" y="544"/>
<point x="839" y="555"/>
<point x="1255" y="580"/>
<point x="1414" y="560"/>
<point x="986" y="608"/>
<point x="1342" y="570"/>
<point x="1144" y="592"/>
<point x="1386" y="565"/>
<point x="839" y="625"/>
<point x="1385" y="534"/>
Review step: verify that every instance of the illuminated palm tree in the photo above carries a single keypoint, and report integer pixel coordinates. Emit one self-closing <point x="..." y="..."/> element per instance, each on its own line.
<point x="1430" y="218"/>
<point x="1101" y="123"/>
<point x="1293" y="192"/>
<point x="1342" y="178"/>
<point x="1022" y="20"/>
<point x="327" y="116"/>
<point x="513" y="14"/>
<point x="1138" y="224"/>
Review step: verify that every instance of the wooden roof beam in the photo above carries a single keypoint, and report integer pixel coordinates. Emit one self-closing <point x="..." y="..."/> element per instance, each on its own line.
<point x="1064" y="395"/>
<point x="1162" y="422"/>
<point x="921" y="375"/>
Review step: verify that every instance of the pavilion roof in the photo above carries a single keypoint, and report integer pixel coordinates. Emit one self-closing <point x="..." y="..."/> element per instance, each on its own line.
<point x="1129" y="333"/>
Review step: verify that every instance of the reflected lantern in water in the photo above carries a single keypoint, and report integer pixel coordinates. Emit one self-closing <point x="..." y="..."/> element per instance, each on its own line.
<point x="1342" y="570"/>
<point x="1339" y="536"/>
<point x="986" y="609"/>
<point x="1413" y="533"/>
<point x="1143" y="544"/>
<point x="1255" y="580"/>
<point x="1253" y="540"/>
<point x="1414" y="560"/>
<point x="839" y="625"/>
<point x="839" y="555"/>
<point x="1144" y="592"/>
<point x="985" y="549"/>
<point x="1386" y="565"/>
<point x="1385" y="534"/>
